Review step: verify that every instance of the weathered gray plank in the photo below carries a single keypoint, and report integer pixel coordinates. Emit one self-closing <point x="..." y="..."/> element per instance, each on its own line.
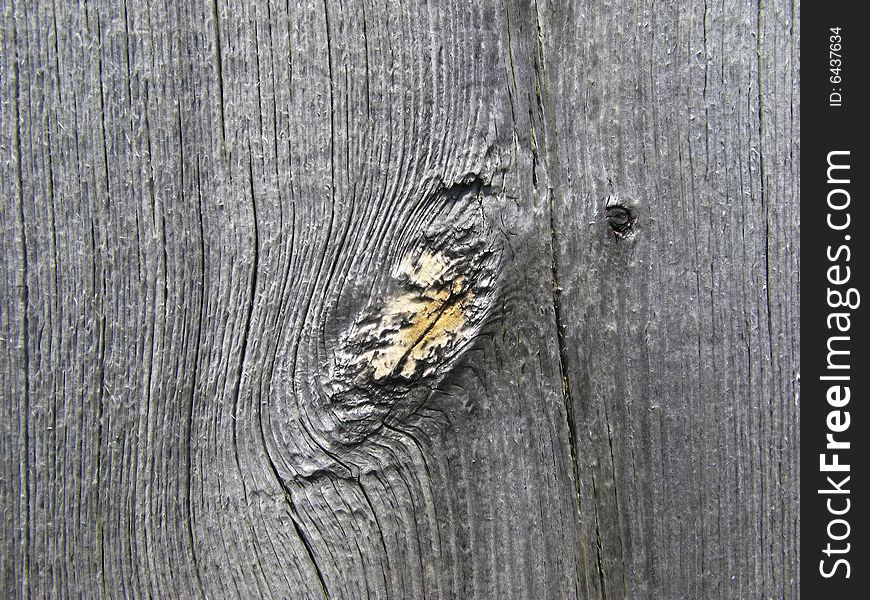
<point x="681" y="339"/>
<point x="319" y="299"/>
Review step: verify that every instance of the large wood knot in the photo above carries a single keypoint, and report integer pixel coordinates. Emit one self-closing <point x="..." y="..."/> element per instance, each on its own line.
<point x="412" y="333"/>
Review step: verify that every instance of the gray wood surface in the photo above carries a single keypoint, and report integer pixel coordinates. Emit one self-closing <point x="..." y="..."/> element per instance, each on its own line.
<point x="379" y="299"/>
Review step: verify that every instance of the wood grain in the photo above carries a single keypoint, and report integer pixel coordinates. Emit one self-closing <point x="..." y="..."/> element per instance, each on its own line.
<point x="324" y="299"/>
<point x="681" y="339"/>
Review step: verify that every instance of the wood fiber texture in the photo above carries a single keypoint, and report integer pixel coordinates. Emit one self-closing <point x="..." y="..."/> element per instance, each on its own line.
<point x="381" y="299"/>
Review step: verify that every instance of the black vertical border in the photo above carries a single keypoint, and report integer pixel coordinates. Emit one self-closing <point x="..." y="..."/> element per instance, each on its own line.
<point x="826" y="128"/>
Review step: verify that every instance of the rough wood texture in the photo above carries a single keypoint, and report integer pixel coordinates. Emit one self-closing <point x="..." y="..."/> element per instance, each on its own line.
<point x="399" y="299"/>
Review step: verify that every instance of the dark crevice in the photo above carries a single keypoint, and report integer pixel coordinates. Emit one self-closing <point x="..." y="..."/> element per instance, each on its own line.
<point x="99" y="463"/>
<point x="193" y="382"/>
<point x="309" y="550"/>
<point x="331" y="101"/>
<point x="237" y="390"/>
<point x="300" y="532"/>
<point x="762" y="191"/>
<point x="102" y="342"/>
<point x="102" y="317"/>
<point x="25" y="334"/>
<point x="219" y="69"/>
<point x="563" y="351"/>
<point x="297" y="346"/>
<point x="553" y="176"/>
<point x="383" y="540"/>
<point x="255" y="267"/>
<point x="769" y="305"/>
<point x="598" y="548"/>
<point x="103" y="114"/>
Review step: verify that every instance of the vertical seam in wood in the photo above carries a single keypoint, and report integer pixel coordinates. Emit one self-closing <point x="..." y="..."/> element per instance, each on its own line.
<point x="194" y="375"/>
<point x="765" y="207"/>
<point x="220" y="74"/>
<point x="100" y="398"/>
<point x="331" y="102"/>
<point x="25" y="300"/>
<point x="563" y="355"/>
<point x="251" y="298"/>
<point x="102" y="313"/>
<point x="599" y="564"/>
<point x="551" y="149"/>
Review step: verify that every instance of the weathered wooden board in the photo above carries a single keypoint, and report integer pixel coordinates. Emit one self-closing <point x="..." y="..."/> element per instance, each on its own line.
<point x="681" y="339"/>
<point x="324" y="299"/>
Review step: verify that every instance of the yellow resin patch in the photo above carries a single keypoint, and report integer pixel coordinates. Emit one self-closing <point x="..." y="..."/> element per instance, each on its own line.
<point x="429" y="319"/>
